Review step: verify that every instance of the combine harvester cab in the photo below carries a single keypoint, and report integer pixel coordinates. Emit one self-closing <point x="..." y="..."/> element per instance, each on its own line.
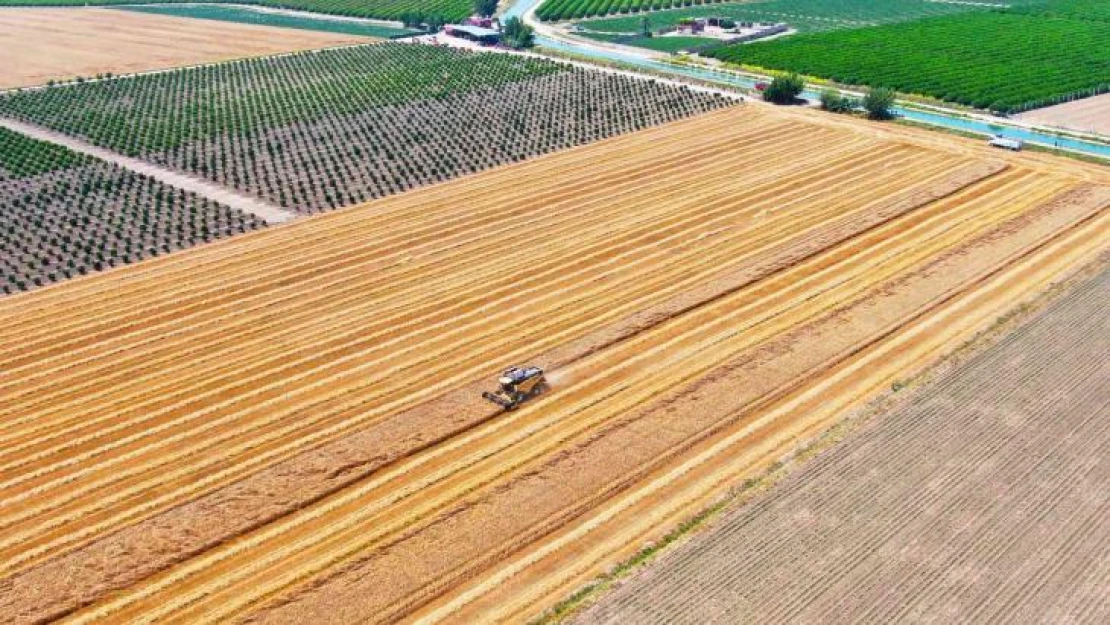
<point x="517" y="385"/>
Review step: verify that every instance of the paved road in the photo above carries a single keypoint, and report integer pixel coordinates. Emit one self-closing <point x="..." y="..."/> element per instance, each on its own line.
<point x="264" y="210"/>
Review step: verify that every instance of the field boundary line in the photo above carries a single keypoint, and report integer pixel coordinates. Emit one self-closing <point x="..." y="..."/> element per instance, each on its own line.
<point x="254" y="206"/>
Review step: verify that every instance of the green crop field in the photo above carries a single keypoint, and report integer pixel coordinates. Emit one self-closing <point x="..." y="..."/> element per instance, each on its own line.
<point x="159" y="111"/>
<point x="245" y="15"/>
<point x="451" y="10"/>
<point x="805" y="15"/>
<point x="1098" y="10"/>
<point x="993" y="60"/>
<point x="22" y="156"/>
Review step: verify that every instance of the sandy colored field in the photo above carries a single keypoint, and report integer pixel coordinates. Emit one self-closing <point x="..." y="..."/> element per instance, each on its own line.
<point x="1086" y="115"/>
<point x="982" y="500"/>
<point x="61" y="44"/>
<point x="286" y="426"/>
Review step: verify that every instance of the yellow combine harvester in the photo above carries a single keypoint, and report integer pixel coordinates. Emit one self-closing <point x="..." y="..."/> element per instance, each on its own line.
<point x="517" y="384"/>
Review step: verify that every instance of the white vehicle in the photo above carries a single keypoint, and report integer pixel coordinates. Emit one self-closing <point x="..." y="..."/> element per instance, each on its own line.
<point x="1007" y="143"/>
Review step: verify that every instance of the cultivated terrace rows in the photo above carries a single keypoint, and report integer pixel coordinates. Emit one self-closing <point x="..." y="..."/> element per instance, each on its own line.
<point x="63" y="214"/>
<point x="982" y="500"/>
<point x="319" y="130"/>
<point x="285" y="427"/>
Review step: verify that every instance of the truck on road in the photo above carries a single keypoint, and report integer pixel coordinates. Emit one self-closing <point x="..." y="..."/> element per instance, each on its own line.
<point x="1007" y="143"/>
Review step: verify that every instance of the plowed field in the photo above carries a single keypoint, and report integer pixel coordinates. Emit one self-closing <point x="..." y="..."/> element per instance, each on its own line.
<point x="287" y="426"/>
<point x="982" y="500"/>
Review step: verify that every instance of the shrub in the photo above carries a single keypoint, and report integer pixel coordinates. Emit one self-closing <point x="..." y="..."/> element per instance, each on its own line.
<point x="784" y="89"/>
<point x="878" y="103"/>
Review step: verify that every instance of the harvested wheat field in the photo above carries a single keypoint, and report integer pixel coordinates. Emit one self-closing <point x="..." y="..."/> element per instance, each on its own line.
<point x="983" y="499"/>
<point x="287" y="426"/>
<point x="63" y="43"/>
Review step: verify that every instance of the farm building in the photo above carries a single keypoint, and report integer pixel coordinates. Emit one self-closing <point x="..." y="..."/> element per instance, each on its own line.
<point x="474" y="33"/>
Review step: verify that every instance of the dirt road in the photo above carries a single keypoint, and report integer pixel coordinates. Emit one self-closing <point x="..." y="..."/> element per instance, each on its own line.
<point x="982" y="500"/>
<point x="269" y="426"/>
<point x="259" y="208"/>
<point x="45" y="44"/>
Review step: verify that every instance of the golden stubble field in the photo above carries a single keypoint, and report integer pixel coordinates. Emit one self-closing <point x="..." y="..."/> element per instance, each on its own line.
<point x="286" y="426"/>
<point x="63" y="43"/>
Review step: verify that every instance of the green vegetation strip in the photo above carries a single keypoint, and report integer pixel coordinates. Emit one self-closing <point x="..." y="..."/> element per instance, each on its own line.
<point x="243" y="15"/>
<point x="999" y="61"/>
<point x="806" y="15"/>
<point x="1098" y="10"/>
<point x="450" y="10"/>
<point x="802" y="15"/>
<point x="153" y="112"/>
<point x="662" y="44"/>
<point x="22" y="156"/>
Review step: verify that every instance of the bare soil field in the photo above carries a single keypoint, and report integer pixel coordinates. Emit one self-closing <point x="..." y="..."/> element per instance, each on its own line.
<point x="64" y="43"/>
<point x="1086" y="115"/>
<point x="287" y="427"/>
<point x="982" y="499"/>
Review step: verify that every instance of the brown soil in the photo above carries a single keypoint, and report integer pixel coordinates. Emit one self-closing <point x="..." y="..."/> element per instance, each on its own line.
<point x="1086" y="115"/>
<point x="64" y="43"/>
<point x="283" y="415"/>
<point x="981" y="500"/>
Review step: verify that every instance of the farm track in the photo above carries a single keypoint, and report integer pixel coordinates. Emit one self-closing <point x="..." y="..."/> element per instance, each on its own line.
<point x="239" y="201"/>
<point x="640" y="286"/>
<point x="994" y="515"/>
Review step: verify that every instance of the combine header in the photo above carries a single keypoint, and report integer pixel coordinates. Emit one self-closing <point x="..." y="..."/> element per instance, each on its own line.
<point x="517" y="385"/>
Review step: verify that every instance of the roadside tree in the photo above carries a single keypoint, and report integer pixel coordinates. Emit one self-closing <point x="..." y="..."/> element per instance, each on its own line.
<point x="485" y="8"/>
<point x="784" y="89"/>
<point x="878" y="103"/>
<point x="517" y="34"/>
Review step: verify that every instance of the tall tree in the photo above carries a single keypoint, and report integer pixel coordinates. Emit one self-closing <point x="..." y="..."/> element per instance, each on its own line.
<point x="517" y="34"/>
<point x="485" y="8"/>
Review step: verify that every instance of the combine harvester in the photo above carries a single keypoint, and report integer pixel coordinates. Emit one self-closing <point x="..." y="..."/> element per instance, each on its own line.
<point x="517" y="385"/>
